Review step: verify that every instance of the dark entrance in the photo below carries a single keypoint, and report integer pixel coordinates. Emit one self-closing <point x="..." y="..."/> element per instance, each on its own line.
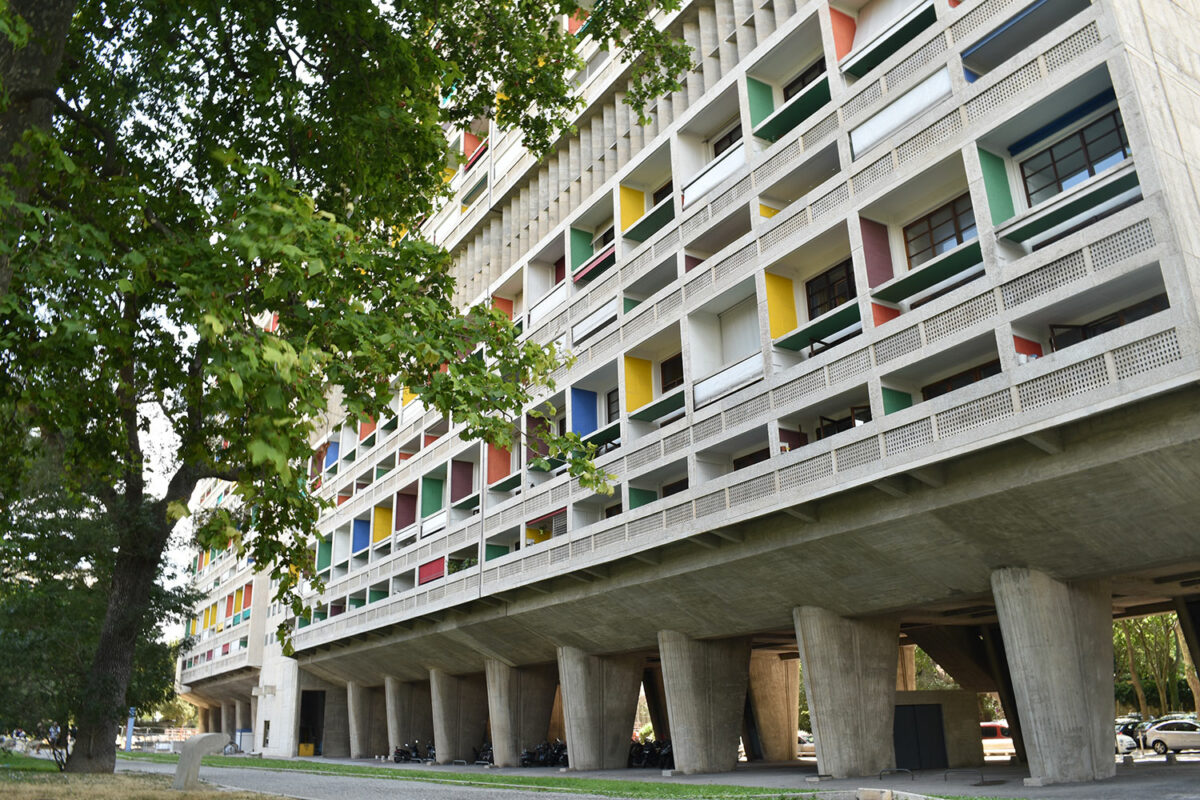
<point x="312" y="721"/>
<point x="919" y="737"/>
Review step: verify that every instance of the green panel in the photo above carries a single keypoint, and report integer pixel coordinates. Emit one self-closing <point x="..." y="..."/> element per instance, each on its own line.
<point x="580" y="247"/>
<point x="491" y="551"/>
<point x="605" y="435"/>
<point x="431" y="495"/>
<point x="505" y="484"/>
<point x="303" y="622"/>
<point x="1072" y="208"/>
<point x="895" y="400"/>
<point x="800" y="108"/>
<point x="651" y="223"/>
<point x="631" y="304"/>
<point x="920" y="279"/>
<point x="847" y="315"/>
<point x="375" y="595"/>
<point x="324" y="554"/>
<point x="468" y="502"/>
<point x="999" y="193"/>
<point x="762" y="100"/>
<point x="640" y="497"/>
<point x="897" y="39"/>
<point x="659" y="408"/>
<point x="357" y="602"/>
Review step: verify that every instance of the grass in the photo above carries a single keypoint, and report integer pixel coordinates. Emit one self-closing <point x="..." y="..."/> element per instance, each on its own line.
<point x="593" y="786"/>
<point x="35" y="785"/>
<point x="15" y="762"/>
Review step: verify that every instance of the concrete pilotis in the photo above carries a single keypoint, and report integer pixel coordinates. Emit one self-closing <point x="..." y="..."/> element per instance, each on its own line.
<point x="459" y="714"/>
<point x="850" y="679"/>
<point x="227" y="719"/>
<point x="359" y="714"/>
<point x="409" y="711"/>
<point x="1058" y="639"/>
<point x="906" y="669"/>
<point x="242" y="715"/>
<point x="391" y="704"/>
<point x="706" y="698"/>
<point x="520" y="700"/>
<point x="775" y="702"/>
<point x="202" y="720"/>
<point x="599" y="698"/>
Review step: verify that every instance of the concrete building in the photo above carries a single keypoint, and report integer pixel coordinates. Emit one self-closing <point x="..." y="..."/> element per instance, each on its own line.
<point x="887" y="326"/>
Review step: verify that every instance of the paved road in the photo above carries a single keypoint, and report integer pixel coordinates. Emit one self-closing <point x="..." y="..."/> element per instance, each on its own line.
<point x="1146" y="780"/>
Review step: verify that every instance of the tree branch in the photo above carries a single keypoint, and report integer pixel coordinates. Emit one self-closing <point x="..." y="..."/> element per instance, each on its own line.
<point x="109" y="167"/>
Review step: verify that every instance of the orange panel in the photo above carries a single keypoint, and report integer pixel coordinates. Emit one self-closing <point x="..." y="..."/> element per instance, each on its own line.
<point x="1027" y="347"/>
<point x="503" y="305"/>
<point x="499" y="463"/>
<point x="881" y="314"/>
<point x="844" y="26"/>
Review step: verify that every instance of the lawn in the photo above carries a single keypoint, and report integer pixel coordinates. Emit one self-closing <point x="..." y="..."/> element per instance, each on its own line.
<point x="15" y="762"/>
<point x="36" y="784"/>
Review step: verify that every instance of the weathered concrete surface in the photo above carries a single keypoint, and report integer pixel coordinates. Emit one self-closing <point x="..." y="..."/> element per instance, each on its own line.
<point x="850" y="681"/>
<point x="187" y="771"/>
<point x="520" y="701"/>
<point x="409" y="712"/>
<point x="599" y="697"/>
<point x="706" y="698"/>
<point x="359" y="719"/>
<point x="1058" y="637"/>
<point x="775" y="702"/>
<point x="460" y="709"/>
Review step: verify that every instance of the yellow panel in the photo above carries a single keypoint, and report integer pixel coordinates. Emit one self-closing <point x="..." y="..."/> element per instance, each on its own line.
<point x="767" y="211"/>
<point x="639" y="385"/>
<point x="408" y="397"/>
<point x="237" y="601"/>
<point x="781" y="304"/>
<point x="633" y="207"/>
<point x="535" y="535"/>
<point x="383" y="524"/>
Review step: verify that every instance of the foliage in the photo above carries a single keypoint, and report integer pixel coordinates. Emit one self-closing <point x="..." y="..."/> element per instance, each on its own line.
<point x="930" y="676"/>
<point x="125" y="786"/>
<point x="1158" y="660"/>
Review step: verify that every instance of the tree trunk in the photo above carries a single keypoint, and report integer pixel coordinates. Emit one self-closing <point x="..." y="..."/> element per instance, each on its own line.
<point x="108" y="678"/>
<point x="1143" y="708"/>
<point x="1189" y="666"/>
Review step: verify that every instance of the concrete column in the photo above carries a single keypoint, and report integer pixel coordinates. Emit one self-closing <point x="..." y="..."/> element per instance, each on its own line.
<point x="201" y="719"/>
<point x="409" y="711"/>
<point x="850" y="679"/>
<point x="391" y="701"/>
<point x="459" y="714"/>
<point x="906" y="669"/>
<point x="360" y="716"/>
<point x="241" y="715"/>
<point x="599" y="699"/>
<point x="227" y="719"/>
<point x="775" y="703"/>
<point x="253" y="705"/>
<point x="520" y="700"/>
<point x="706" y="698"/>
<point x="1058" y="638"/>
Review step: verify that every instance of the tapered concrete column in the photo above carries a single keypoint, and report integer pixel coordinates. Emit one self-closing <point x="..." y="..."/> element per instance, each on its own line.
<point x="201" y="719"/>
<point x="775" y="702"/>
<point x="360" y="717"/>
<point x="1058" y="638"/>
<point x="459" y="714"/>
<point x="850" y="679"/>
<point x="520" y="700"/>
<point x="599" y="698"/>
<point x="242" y="715"/>
<point x="906" y="669"/>
<point x="227" y="719"/>
<point x="391" y="703"/>
<point x="1188" y="611"/>
<point x="409" y="709"/>
<point x="706" y="698"/>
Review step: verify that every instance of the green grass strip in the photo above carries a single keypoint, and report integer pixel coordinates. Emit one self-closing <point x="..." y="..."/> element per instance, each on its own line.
<point x="592" y="786"/>
<point x="15" y="762"/>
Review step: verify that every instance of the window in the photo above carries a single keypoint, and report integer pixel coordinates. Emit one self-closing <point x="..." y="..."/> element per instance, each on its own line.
<point x="857" y="416"/>
<point x="939" y="231"/>
<point x="612" y="405"/>
<point x="612" y="511"/>
<point x="266" y="732"/>
<point x="676" y="487"/>
<point x="830" y="289"/>
<point x="671" y="372"/>
<point x="727" y="140"/>
<point x="739" y="330"/>
<point x="750" y="459"/>
<point x="960" y="379"/>
<point x="806" y="77"/>
<point x="1066" y="335"/>
<point x="604" y="238"/>
<point x="662" y="193"/>
<point x="1086" y="152"/>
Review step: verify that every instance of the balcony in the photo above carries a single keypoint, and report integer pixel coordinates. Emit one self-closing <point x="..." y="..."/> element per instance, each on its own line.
<point x="827" y="330"/>
<point x="729" y="379"/>
<point x="715" y="173"/>
<point x="799" y="108"/>
<point x="964" y="259"/>
<point x="653" y="221"/>
<point x="900" y="32"/>
<point x="1093" y="199"/>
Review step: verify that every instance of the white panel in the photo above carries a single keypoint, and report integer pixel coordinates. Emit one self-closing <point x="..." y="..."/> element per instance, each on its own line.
<point x="543" y="307"/>
<point x="594" y="321"/>
<point x="904" y="108"/>
<point x="739" y="330"/>
<point x="717" y="170"/>
<point x="725" y="381"/>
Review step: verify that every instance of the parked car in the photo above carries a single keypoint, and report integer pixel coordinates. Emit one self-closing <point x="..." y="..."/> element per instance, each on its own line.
<point x="1128" y="725"/>
<point x="1173" y="735"/>
<point x="997" y="739"/>
<point x="806" y="745"/>
<point x="1125" y="744"/>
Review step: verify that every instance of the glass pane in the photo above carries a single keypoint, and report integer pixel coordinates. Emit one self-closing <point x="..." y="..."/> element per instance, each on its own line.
<point x="1043" y="194"/>
<point x="1065" y="148"/>
<point x="944" y="232"/>
<point x="917" y="245"/>
<point x="1040" y="161"/>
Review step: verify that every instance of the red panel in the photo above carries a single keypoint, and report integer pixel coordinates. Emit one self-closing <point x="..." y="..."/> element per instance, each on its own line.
<point x="1027" y="347"/>
<point x="877" y="252"/>
<point x="793" y="439"/>
<point x="247" y="595"/>
<point x="503" y="305"/>
<point x="229" y="606"/>
<point x="545" y="517"/>
<point x="462" y="478"/>
<point x="430" y="439"/>
<point x="225" y="649"/>
<point x="366" y="428"/>
<point x="431" y="571"/>
<point x="560" y="270"/>
<point x="406" y="510"/>
<point x="844" y="26"/>
<point x="691" y="262"/>
<point x="575" y="22"/>
<point x="499" y="463"/>
<point x="470" y="144"/>
<point x="882" y="314"/>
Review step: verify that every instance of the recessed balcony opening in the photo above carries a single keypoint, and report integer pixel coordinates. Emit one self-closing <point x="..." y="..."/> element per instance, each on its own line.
<point x="812" y="171"/>
<point x="1091" y="313"/>
<point x="381" y="528"/>
<point x="323" y="558"/>
<point x="711" y="148"/>
<point x="503" y="471"/>
<point x="725" y="344"/>
<point x="465" y="470"/>
<point x="436" y="430"/>
<point x="545" y="280"/>
<point x="843" y="411"/>
<point x="658" y="483"/>
<point x="433" y="501"/>
<point x="1017" y="33"/>
<point x="377" y="591"/>
<point x="592" y="242"/>
<point x="735" y="453"/>
<point x="356" y="600"/>
<point x="509" y="298"/>
<point x="811" y="297"/>
<point x="404" y="581"/>
<point x="405" y="515"/>
<point x="720" y="233"/>
<point x="646" y="198"/>
<point x="654" y="381"/>
<point x="545" y="527"/>
<point x="462" y="559"/>
<point x="597" y="323"/>
<point x="501" y="544"/>
<point x="915" y="102"/>
<point x="594" y="408"/>
<point x="661" y="276"/>
<point x="942" y="373"/>
<point x="789" y="84"/>
<point x="595" y="508"/>
<point x="867" y="32"/>
<point x="385" y="465"/>
<point x="549" y="417"/>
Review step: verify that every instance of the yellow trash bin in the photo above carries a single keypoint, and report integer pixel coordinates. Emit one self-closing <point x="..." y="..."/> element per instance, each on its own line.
<point x="307" y="748"/>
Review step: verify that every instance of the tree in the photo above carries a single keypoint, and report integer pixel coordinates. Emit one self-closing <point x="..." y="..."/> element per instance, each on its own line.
<point x="180" y="172"/>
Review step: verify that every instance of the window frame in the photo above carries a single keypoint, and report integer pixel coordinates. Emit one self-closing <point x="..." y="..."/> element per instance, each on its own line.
<point x="977" y="372"/>
<point x="719" y="140"/>
<point x="1077" y="131"/>
<point x="847" y="265"/>
<point x="662" y="378"/>
<point x="927" y="221"/>
<point x="790" y="89"/>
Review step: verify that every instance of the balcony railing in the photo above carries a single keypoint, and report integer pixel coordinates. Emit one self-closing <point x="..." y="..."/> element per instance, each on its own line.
<point x="714" y="173"/>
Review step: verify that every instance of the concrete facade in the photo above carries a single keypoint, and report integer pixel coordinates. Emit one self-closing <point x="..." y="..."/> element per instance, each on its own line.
<point x="829" y="445"/>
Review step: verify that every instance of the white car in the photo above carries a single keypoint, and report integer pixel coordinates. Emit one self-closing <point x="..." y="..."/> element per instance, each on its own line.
<point x="1125" y="744"/>
<point x="1173" y="735"/>
<point x="997" y="740"/>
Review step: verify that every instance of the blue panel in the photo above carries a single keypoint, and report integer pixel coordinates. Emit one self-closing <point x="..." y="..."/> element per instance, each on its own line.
<point x="583" y="411"/>
<point x="362" y="535"/>
<point x="1074" y="115"/>
<point x="331" y="455"/>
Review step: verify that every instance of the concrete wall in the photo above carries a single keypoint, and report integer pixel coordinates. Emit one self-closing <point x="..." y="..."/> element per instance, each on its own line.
<point x="960" y="723"/>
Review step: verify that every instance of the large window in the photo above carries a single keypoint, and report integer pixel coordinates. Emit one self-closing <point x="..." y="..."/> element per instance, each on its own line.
<point x="940" y="231"/>
<point x="830" y="289"/>
<point x="807" y="76"/>
<point x="1091" y="149"/>
<point x="961" y="379"/>
<point x="1066" y="335"/>
<point x="671" y="372"/>
<point x="727" y="140"/>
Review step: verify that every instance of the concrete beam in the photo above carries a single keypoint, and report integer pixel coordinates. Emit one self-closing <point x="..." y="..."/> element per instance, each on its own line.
<point x="460" y="719"/>
<point x="850" y="679"/>
<point x="1048" y="441"/>
<point x="520" y="700"/>
<point x="805" y="512"/>
<point x="1058" y="639"/>
<point x="599" y="698"/>
<point x="933" y="476"/>
<point x="775" y="702"/>
<point x="893" y="486"/>
<point x="706" y="697"/>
